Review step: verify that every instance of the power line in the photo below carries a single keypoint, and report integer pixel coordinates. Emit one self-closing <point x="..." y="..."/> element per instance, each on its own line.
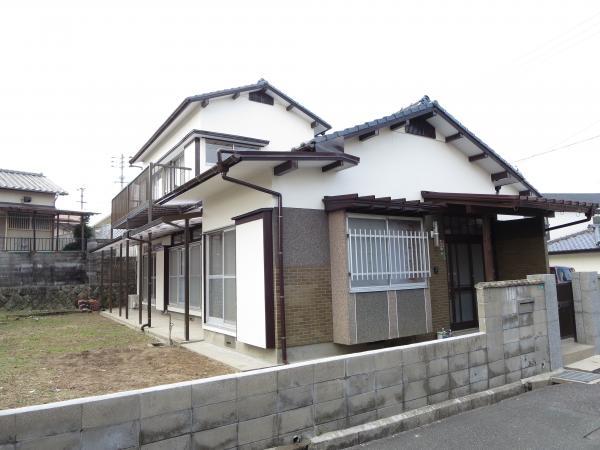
<point x="559" y="148"/>
<point x="556" y="40"/>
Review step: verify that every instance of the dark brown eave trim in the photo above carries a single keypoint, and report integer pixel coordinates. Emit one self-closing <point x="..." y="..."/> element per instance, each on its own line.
<point x="380" y="205"/>
<point x="257" y="156"/>
<point x="510" y="202"/>
<point x="224" y="93"/>
<point x="250" y="216"/>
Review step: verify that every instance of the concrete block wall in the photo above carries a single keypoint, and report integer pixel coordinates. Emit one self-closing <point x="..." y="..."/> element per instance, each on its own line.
<point x="521" y="335"/>
<point x="276" y="406"/>
<point x="586" y="302"/>
<point x="42" y="269"/>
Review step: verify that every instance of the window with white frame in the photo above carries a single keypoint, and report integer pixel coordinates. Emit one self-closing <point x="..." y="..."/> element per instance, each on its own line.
<point x="177" y="276"/>
<point x="213" y="146"/>
<point x="387" y="253"/>
<point x="221" y="287"/>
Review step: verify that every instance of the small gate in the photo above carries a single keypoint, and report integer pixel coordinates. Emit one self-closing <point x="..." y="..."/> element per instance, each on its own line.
<point x="566" y="310"/>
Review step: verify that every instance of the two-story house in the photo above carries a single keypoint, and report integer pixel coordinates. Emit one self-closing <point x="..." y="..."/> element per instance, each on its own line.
<point x="290" y="242"/>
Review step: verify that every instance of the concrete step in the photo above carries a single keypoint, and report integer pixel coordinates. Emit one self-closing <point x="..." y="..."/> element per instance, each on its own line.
<point x="573" y="351"/>
<point x="591" y="364"/>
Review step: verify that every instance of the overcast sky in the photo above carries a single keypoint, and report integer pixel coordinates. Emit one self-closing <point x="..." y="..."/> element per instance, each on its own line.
<point x="81" y="84"/>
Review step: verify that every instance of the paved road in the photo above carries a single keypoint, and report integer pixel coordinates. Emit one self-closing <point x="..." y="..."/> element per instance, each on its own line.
<point x="563" y="416"/>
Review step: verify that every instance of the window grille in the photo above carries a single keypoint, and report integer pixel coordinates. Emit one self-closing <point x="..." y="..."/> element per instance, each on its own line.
<point x="43" y="223"/>
<point x="19" y="222"/>
<point x="387" y="254"/>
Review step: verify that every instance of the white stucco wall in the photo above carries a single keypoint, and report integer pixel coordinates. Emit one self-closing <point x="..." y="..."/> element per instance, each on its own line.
<point x="392" y="164"/>
<point x="37" y="198"/>
<point x="284" y="129"/>
<point x="218" y="209"/>
<point x="581" y="262"/>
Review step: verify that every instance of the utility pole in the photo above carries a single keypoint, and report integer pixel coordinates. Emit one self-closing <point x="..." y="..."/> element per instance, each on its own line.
<point x="81" y="201"/>
<point x="118" y="162"/>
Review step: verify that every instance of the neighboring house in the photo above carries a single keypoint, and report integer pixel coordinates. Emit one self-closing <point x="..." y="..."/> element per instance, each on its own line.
<point x="29" y="219"/>
<point x="304" y="243"/>
<point x="580" y="250"/>
<point x="562" y="218"/>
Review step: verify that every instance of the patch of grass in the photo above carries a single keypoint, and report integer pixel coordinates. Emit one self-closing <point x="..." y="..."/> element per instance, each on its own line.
<point x="58" y="357"/>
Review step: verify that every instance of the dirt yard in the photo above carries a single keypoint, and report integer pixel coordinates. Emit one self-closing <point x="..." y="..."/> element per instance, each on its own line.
<point x="52" y="358"/>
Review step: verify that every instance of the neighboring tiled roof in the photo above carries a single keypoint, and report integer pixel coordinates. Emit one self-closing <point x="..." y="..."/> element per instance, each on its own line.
<point x="259" y="85"/>
<point x="423" y="106"/>
<point x="577" y="242"/>
<point x="586" y="197"/>
<point x="28" y="181"/>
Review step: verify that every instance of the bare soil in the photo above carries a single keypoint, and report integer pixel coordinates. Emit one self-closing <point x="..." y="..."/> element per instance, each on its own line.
<point x="53" y="358"/>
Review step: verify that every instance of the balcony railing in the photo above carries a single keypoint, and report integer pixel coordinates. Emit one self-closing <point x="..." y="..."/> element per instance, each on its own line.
<point x="154" y="182"/>
<point x="39" y="244"/>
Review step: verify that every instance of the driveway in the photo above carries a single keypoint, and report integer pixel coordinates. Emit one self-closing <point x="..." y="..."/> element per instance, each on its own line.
<point x="563" y="416"/>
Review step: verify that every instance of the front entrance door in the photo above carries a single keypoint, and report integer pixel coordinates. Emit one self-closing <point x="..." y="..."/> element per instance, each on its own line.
<point x="464" y="241"/>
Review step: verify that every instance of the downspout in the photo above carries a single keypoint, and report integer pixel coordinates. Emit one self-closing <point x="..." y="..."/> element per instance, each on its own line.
<point x="280" y="277"/>
<point x="556" y="227"/>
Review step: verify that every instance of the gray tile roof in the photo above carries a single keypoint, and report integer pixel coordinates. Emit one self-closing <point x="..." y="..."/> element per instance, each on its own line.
<point x="28" y="181"/>
<point x="576" y="242"/>
<point x="590" y="197"/>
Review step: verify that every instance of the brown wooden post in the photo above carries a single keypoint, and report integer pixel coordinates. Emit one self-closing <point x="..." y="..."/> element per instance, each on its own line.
<point x="127" y="280"/>
<point x="186" y="284"/>
<point x="149" y="280"/>
<point x="488" y="249"/>
<point x="110" y="280"/>
<point x="120" y="278"/>
<point x="101" y="293"/>
<point x="140" y="278"/>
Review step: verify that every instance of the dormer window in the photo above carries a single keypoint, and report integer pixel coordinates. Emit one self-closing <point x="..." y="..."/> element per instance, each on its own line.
<point x="261" y="97"/>
<point x="214" y="145"/>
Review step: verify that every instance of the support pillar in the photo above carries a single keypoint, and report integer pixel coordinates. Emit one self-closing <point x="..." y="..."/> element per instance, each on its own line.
<point x="110" y="280"/>
<point x="127" y="280"/>
<point x="101" y="293"/>
<point x="149" y="280"/>
<point x="120" y="278"/>
<point x="34" y="232"/>
<point x="186" y="234"/>
<point x="488" y="250"/>
<point x="140" y="279"/>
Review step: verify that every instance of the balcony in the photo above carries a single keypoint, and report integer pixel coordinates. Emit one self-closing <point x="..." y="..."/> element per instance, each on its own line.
<point x="130" y="207"/>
